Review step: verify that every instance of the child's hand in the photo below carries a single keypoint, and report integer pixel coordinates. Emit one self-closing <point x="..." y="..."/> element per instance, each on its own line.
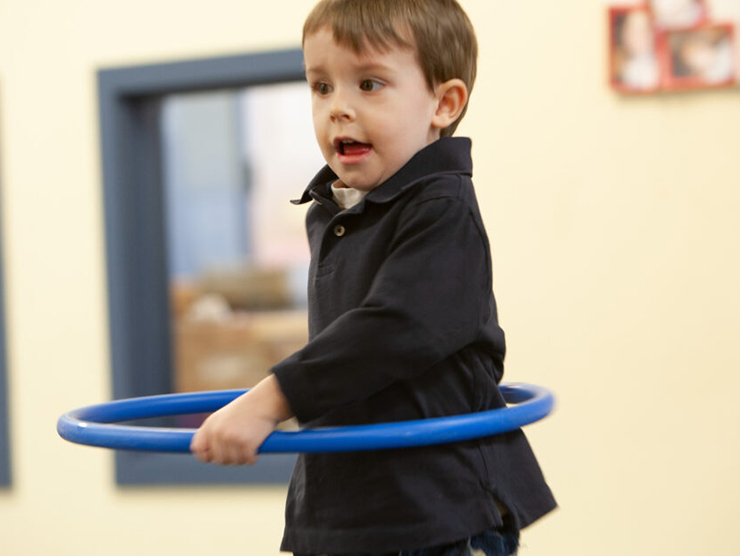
<point x="234" y="433"/>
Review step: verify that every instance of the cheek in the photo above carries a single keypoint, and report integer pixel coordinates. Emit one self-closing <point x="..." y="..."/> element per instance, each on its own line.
<point x="316" y="118"/>
<point x="319" y="127"/>
<point x="403" y="117"/>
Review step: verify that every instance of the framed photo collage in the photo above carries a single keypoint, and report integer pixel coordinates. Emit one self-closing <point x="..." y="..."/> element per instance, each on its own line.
<point x="670" y="45"/>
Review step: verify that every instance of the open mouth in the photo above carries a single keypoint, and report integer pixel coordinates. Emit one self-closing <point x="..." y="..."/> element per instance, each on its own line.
<point x="350" y="147"/>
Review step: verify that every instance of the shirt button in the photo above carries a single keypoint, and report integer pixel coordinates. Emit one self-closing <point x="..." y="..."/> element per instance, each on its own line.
<point x="339" y="230"/>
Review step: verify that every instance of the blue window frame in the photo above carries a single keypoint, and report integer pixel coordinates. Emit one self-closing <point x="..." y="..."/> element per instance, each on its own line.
<point x="4" y="440"/>
<point x="5" y="475"/>
<point x="130" y="101"/>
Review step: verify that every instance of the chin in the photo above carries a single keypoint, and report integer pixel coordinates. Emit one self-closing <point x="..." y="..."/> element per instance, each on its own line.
<point x="360" y="186"/>
<point x="355" y="183"/>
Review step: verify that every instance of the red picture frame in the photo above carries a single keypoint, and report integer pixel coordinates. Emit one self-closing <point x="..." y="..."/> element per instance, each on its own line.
<point x="634" y="64"/>
<point x="678" y="14"/>
<point x="699" y="57"/>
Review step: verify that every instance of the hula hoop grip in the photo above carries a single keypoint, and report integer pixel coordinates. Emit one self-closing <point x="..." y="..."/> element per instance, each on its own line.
<point x="95" y="425"/>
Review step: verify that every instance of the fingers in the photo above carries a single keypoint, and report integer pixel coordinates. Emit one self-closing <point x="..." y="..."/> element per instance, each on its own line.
<point x="238" y="456"/>
<point x="210" y="445"/>
<point x="232" y="453"/>
<point x="199" y="446"/>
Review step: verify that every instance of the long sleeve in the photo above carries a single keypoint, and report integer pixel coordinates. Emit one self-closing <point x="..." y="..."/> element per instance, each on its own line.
<point x="428" y="300"/>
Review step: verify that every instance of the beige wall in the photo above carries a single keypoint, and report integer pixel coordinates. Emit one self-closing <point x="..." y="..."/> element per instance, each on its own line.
<point x="615" y="230"/>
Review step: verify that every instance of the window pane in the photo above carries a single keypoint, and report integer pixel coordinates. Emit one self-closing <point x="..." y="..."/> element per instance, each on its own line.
<point x="237" y="252"/>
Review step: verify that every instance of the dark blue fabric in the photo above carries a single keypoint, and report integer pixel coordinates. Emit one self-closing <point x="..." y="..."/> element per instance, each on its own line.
<point x="495" y="542"/>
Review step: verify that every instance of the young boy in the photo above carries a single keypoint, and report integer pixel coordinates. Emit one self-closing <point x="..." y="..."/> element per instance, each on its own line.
<point x="402" y="319"/>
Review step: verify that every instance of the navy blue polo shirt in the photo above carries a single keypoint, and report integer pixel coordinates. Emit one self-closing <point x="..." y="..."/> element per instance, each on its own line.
<point x="403" y="326"/>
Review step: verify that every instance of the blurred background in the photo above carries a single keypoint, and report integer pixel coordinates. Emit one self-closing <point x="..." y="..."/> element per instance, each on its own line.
<point x="613" y="218"/>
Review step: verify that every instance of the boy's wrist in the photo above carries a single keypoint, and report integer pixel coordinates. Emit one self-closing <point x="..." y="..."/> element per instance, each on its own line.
<point x="271" y="399"/>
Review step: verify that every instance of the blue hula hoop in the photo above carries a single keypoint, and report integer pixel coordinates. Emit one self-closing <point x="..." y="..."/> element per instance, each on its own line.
<point x="95" y="425"/>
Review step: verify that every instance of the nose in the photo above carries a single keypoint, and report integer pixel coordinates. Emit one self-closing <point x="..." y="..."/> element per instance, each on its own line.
<point x="341" y="106"/>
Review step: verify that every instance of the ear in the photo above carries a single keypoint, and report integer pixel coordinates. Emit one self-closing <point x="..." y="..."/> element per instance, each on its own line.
<point x="451" y="98"/>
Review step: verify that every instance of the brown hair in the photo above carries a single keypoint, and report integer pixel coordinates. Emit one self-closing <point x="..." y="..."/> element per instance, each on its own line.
<point x="440" y="31"/>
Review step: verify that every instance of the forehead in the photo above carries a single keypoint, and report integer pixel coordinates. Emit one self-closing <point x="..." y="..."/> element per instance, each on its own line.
<point x="322" y="50"/>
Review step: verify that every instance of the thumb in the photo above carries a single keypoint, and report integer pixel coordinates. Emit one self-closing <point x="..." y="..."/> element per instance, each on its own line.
<point x="199" y="442"/>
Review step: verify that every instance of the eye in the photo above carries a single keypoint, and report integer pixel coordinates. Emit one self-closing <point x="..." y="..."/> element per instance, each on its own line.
<point x="322" y="88"/>
<point x="369" y="85"/>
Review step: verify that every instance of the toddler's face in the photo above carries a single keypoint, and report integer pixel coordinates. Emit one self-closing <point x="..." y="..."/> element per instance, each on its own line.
<point x="371" y="112"/>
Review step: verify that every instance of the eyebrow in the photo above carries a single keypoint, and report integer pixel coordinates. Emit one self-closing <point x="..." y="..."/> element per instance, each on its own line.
<point x="374" y="66"/>
<point x="312" y="69"/>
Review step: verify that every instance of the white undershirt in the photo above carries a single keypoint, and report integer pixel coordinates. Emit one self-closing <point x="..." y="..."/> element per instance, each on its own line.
<point x="346" y="197"/>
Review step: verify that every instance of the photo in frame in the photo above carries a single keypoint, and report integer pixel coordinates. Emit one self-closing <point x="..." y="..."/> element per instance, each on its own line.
<point x="678" y="14"/>
<point x="698" y="58"/>
<point x="634" y="61"/>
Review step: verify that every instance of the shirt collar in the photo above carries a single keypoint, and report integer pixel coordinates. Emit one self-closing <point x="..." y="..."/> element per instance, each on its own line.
<point x="444" y="156"/>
